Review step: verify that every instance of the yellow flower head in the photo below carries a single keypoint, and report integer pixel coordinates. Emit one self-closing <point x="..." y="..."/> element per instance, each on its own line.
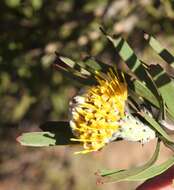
<point x="96" y="112"/>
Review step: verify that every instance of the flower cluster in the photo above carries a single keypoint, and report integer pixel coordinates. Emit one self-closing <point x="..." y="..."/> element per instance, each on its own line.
<point x="99" y="116"/>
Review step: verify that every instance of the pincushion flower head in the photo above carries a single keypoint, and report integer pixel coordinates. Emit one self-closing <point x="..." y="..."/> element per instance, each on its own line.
<point x="100" y="115"/>
<point x="137" y="107"/>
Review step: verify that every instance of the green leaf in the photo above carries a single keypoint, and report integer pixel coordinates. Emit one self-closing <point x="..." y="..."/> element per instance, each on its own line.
<point x="84" y="71"/>
<point x="92" y="64"/>
<point x="70" y="69"/>
<point x="142" y="91"/>
<point x="37" y="139"/>
<point x="121" y="175"/>
<point x="71" y="75"/>
<point x="55" y="133"/>
<point x="156" y="126"/>
<point x="152" y="171"/>
<point x="162" y="80"/>
<point x="68" y="61"/>
<point x="72" y="66"/>
<point x="160" y="50"/>
<point x="136" y="66"/>
<point x="87" y="67"/>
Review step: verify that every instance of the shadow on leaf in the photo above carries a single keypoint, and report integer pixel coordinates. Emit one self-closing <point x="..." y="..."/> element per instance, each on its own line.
<point x="61" y="130"/>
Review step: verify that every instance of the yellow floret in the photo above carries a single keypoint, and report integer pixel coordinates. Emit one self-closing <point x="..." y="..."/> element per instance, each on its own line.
<point x="96" y="113"/>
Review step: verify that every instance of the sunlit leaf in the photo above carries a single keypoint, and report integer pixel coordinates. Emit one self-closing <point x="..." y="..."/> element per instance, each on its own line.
<point x="156" y="126"/>
<point x="135" y="65"/>
<point x="55" y="133"/>
<point x="121" y="175"/>
<point x="163" y="81"/>
<point x="70" y="69"/>
<point x="92" y="65"/>
<point x="141" y="90"/>
<point x="165" y="54"/>
<point x="152" y="171"/>
<point x="37" y="139"/>
<point x="72" y="66"/>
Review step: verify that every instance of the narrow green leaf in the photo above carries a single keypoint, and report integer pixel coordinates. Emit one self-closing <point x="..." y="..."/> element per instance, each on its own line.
<point x="170" y="114"/>
<point x="107" y="172"/>
<point x="135" y="65"/>
<point x="126" y="53"/>
<point x="160" y="50"/>
<point x="70" y="69"/>
<point x="81" y="80"/>
<point x="92" y="65"/>
<point x="87" y="67"/>
<point x="37" y="139"/>
<point x="156" y="126"/>
<point x="168" y="144"/>
<point x="55" y="133"/>
<point x="43" y="139"/>
<point x="142" y="91"/>
<point x="68" y="61"/>
<point x="121" y="175"/>
<point x="152" y="171"/>
<point x="82" y="70"/>
<point x="72" y="66"/>
<point x="165" y="85"/>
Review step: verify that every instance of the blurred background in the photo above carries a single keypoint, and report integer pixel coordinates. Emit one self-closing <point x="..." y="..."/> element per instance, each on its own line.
<point x="32" y="91"/>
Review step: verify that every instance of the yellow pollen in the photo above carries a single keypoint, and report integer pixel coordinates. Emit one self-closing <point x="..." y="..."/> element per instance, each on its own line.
<point x="95" y="120"/>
